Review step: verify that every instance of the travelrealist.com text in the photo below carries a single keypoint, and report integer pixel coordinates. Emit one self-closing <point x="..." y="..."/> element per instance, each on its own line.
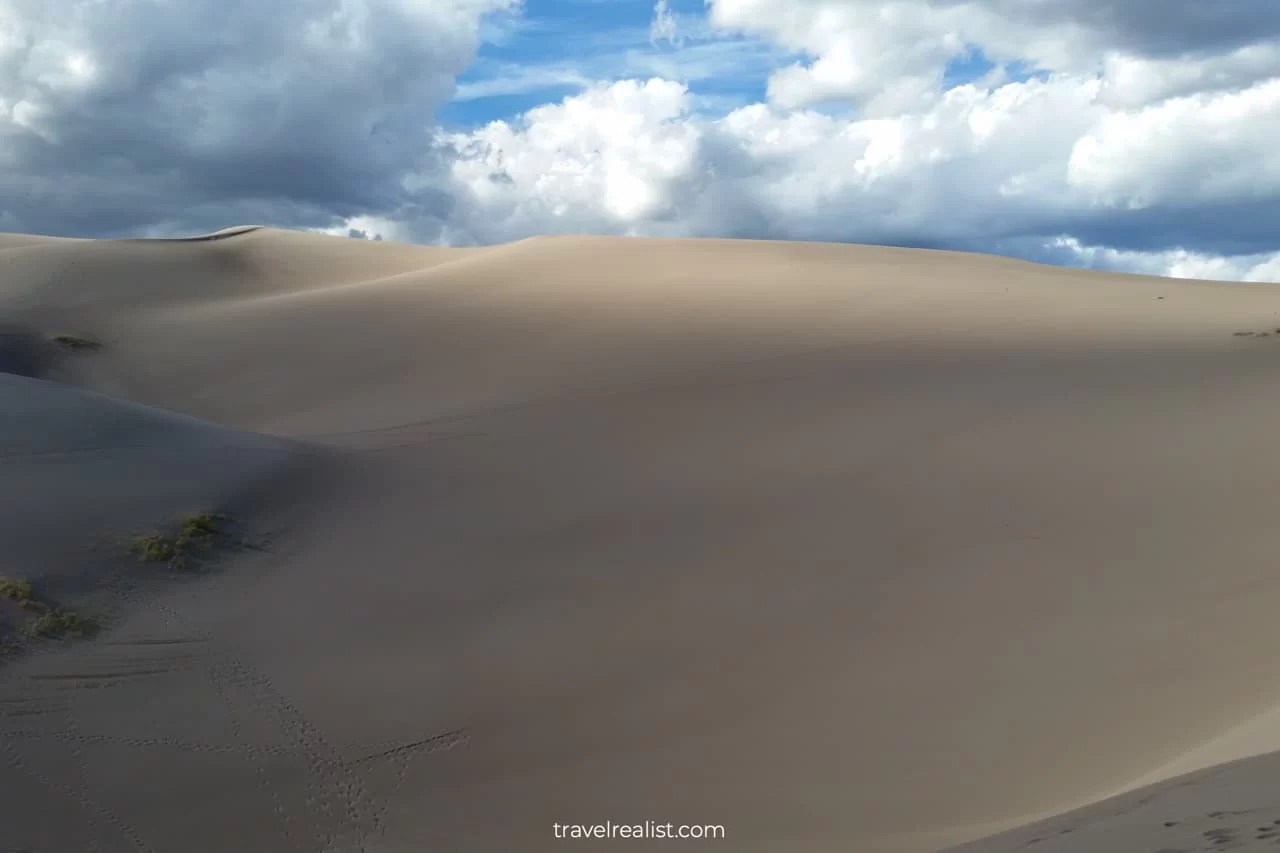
<point x="648" y="829"/>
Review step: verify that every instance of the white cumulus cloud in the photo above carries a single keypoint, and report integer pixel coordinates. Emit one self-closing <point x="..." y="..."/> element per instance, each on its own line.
<point x="1000" y="167"/>
<point x="614" y="155"/>
<point x="1188" y="150"/>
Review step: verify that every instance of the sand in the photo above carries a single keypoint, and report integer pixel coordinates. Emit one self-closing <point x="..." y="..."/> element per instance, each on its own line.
<point x="843" y="548"/>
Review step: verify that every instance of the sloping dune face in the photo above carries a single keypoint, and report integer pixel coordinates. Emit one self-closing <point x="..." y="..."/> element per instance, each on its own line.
<point x="74" y="460"/>
<point x="838" y="547"/>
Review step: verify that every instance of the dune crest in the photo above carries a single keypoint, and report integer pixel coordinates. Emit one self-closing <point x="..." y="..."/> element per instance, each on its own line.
<point x="220" y="234"/>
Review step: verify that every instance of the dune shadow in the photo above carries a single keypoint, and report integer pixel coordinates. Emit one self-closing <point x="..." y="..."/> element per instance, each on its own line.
<point x="24" y="352"/>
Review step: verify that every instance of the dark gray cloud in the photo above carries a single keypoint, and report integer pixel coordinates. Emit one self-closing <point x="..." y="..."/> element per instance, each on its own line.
<point x="1154" y="28"/>
<point x="1242" y="227"/>
<point x="114" y="116"/>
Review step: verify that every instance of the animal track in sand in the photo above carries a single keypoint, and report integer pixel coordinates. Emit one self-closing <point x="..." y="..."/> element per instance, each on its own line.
<point x="94" y="811"/>
<point x="334" y="805"/>
<point x="325" y="804"/>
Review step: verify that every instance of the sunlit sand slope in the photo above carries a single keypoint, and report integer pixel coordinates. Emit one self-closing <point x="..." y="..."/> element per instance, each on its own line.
<point x="844" y="548"/>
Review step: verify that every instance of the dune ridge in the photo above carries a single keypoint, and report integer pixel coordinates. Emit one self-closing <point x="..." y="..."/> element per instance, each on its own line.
<point x="842" y="547"/>
<point x="220" y="234"/>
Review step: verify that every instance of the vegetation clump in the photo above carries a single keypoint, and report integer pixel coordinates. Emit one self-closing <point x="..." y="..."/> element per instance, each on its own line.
<point x="15" y="590"/>
<point x="57" y="624"/>
<point x="199" y="530"/>
<point x="75" y="342"/>
<point x="196" y="531"/>
<point x="153" y="548"/>
<point x="50" y="622"/>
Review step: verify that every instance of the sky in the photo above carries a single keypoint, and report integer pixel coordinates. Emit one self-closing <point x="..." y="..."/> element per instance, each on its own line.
<point x="1096" y="134"/>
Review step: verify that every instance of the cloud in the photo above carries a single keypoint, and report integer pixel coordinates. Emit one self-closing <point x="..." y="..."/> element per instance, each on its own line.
<point x="663" y="27"/>
<point x="1178" y="263"/>
<point x="1180" y="27"/>
<point x="1185" y="151"/>
<point x="1011" y="168"/>
<point x="521" y="79"/>
<point x="1136" y="82"/>
<point x="116" y="115"/>
<point x="889" y="55"/>
<point x="609" y="156"/>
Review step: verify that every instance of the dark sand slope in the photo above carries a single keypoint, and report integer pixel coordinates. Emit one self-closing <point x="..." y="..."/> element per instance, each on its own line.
<point x="81" y="476"/>
<point x="63" y="450"/>
<point x="844" y="548"/>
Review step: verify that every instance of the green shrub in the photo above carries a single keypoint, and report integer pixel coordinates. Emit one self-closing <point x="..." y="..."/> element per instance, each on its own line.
<point x="15" y="590"/>
<point x="197" y="529"/>
<point x="59" y="623"/>
<point x="49" y="622"/>
<point x="200" y="530"/>
<point x="153" y="548"/>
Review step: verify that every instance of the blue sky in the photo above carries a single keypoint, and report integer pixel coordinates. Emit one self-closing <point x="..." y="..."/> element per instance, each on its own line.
<point x="557" y="47"/>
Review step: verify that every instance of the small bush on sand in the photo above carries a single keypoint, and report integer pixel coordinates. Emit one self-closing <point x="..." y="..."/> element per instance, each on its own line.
<point x="15" y="590"/>
<point x="49" y="623"/>
<point x="61" y="623"/>
<point x="153" y="548"/>
<point x="194" y="531"/>
<point x="199" y="530"/>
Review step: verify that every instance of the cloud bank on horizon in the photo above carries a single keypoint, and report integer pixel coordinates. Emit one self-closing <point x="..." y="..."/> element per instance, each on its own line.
<point x="1097" y="133"/>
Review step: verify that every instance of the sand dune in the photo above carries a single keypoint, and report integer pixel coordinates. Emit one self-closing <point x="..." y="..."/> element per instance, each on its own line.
<point x="841" y="547"/>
